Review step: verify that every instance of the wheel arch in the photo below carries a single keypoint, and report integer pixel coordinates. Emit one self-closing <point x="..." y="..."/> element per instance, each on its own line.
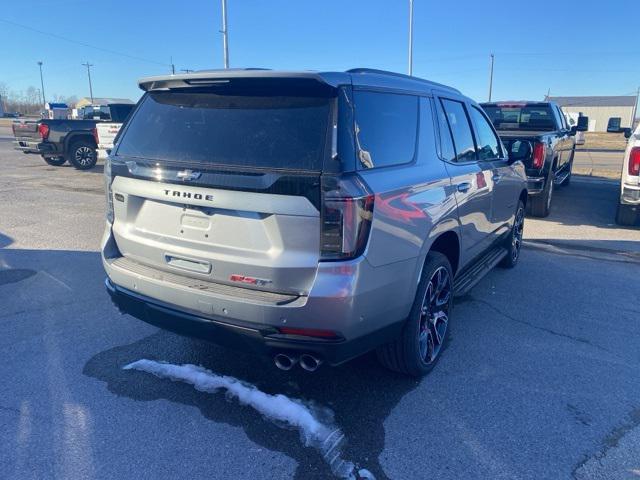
<point x="73" y="137"/>
<point x="524" y="196"/>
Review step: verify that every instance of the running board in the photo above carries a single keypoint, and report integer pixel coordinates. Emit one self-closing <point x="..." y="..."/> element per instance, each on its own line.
<point x="467" y="280"/>
<point x="559" y="179"/>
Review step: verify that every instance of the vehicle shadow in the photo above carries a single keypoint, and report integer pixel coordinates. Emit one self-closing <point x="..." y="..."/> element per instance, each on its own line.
<point x="5" y="240"/>
<point x="585" y="203"/>
<point x="361" y="395"/>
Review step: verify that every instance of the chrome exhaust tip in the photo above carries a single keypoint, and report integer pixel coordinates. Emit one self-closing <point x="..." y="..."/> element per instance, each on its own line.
<point x="309" y="362"/>
<point x="284" y="362"/>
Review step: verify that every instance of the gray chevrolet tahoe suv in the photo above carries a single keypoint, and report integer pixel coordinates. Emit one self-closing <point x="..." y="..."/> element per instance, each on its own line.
<point x="308" y="216"/>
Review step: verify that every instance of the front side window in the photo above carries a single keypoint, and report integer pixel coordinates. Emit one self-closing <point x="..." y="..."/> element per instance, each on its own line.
<point x="488" y="143"/>
<point x="386" y="126"/>
<point x="460" y="130"/>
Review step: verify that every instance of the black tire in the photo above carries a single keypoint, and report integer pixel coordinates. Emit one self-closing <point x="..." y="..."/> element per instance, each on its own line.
<point x="412" y="353"/>
<point x="55" y="161"/>
<point x="627" y="215"/>
<point x="540" y="205"/>
<point x="513" y="242"/>
<point x="82" y="155"/>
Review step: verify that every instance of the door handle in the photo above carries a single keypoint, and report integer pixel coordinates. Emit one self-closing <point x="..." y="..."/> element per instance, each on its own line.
<point x="464" y="187"/>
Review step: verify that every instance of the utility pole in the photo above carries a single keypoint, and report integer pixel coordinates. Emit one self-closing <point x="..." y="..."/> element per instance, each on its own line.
<point x="44" y="101"/>
<point x="635" y="109"/>
<point x="491" y="77"/>
<point x="89" y="65"/>
<point x="410" y="37"/>
<point x="225" y="34"/>
<point x="173" y="67"/>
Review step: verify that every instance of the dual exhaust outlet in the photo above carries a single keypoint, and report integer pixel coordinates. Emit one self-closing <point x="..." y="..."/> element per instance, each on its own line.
<point x="308" y="362"/>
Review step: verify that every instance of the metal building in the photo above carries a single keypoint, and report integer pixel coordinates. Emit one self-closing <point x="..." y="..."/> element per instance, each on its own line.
<point x="599" y="109"/>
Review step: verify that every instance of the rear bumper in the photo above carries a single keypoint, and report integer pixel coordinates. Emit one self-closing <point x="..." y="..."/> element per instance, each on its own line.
<point x="261" y="340"/>
<point x="630" y="195"/>
<point x="535" y="185"/>
<point x="365" y="306"/>
<point x="31" y="146"/>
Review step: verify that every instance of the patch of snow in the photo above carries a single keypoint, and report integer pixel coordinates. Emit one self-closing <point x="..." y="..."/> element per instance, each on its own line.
<point x="280" y="409"/>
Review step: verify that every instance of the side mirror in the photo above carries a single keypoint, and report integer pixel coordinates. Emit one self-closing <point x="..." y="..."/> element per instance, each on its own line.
<point x="583" y="124"/>
<point x="627" y="132"/>
<point x="573" y="130"/>
<point x="613" y="125"/>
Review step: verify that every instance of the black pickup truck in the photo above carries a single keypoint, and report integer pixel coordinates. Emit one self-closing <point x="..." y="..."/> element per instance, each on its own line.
<point x="537" y="133"/>
<point x="61" y="140"/>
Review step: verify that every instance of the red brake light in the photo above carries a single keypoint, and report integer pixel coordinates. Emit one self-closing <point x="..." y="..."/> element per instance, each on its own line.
<point x="43" y="130"/>
<point x="634" y="161"/>
<point x="308" y="332"/>
<point x="347" y="211"/>
<point x="539" y="152"/>
<point x="95" y="134"/>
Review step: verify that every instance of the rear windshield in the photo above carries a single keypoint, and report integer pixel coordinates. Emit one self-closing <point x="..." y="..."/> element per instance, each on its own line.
<point x="238" y="131"/>
<point x="120" y="112"/>
<point x="521" y="117"/>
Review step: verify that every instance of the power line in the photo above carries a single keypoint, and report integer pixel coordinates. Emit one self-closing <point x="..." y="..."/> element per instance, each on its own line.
<point x="70" y="40"/>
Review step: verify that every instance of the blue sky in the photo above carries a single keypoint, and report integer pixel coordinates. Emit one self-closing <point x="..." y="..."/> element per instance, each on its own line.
<point x="571" y="48"/>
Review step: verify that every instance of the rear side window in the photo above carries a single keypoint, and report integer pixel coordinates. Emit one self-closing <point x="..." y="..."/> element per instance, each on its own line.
<point x="447" y="151"/>
<point x="488" y="143"/>
<point x="460" y="129"/>
<point x="238" y="131"/>
<point x="386" y="128"/>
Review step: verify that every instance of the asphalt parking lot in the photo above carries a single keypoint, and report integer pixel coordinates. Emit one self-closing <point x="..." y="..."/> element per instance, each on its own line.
<point x="541" y="379"/>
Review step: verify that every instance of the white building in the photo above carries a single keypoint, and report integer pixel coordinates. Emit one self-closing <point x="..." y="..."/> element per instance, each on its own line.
<point x="599" y="109"/>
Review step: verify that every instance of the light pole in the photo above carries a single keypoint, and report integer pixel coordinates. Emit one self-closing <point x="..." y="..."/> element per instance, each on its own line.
<point x="225" y="34"/>
<point x="410" y="37"/>
<point x="44" y="102"/>
<point x="491" y="77"/>
<point x="89" y="65"/>
<point x="635" y="109"/>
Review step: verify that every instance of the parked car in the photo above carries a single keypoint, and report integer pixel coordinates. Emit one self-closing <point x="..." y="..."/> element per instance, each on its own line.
<point x="628" y="211"/>
<point x="537" y="133"/>
<point x="308" y="216"/>
<point x="62" y="140"/>
<point x="106" y="132"/>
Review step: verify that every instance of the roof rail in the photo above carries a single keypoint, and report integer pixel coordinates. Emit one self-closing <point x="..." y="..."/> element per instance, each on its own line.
<point x="400" y="75"/>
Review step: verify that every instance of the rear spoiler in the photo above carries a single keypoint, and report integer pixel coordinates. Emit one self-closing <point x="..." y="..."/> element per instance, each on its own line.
<point x="215" y="78"/>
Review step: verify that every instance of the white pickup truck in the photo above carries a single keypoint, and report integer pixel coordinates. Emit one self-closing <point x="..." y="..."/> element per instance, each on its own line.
<point x="104" y="134"/>
<point x="629" y="205"/>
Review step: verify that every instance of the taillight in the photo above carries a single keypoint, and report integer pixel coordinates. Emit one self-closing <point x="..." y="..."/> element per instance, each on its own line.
<point x="95" y="135"/>
<point x="634" y="161"/>
<point x="539" y="153"/>
<point x="309" y="332"/>
<point x="43" y="130"/>
<point x="347" y="212"/>
<point x="108" y="180"/>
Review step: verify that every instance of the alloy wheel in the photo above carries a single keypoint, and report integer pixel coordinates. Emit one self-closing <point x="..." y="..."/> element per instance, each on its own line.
<point x="434" y="315"/>
<point x="518" y="229"/>
<point x="84" y="156"/>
